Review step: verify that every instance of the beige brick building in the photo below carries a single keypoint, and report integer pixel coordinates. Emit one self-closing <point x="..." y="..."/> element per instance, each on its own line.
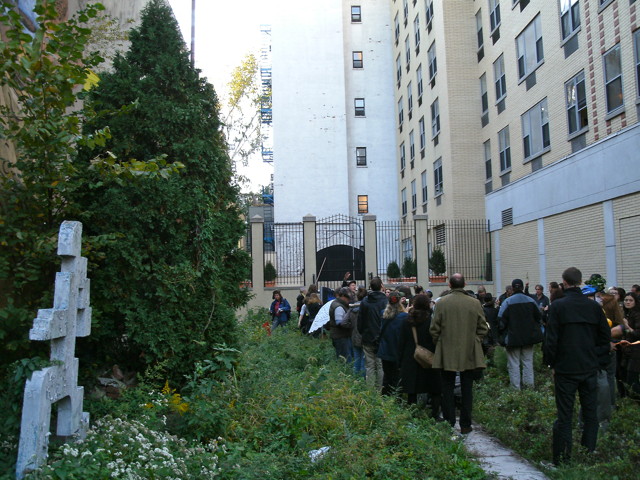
<point x="524" y="112"/>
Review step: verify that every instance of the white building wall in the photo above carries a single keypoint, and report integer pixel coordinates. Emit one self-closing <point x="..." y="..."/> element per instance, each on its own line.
<point x="314" y="126"/>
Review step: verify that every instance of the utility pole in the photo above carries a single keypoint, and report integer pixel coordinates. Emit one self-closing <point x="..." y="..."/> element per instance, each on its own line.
<point x="193" y="32"/>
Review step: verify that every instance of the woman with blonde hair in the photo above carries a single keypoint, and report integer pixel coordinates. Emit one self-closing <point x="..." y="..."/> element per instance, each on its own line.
<point x="392" y="319"/>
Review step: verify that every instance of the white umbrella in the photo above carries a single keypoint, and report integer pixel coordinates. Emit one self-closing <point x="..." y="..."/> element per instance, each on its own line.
<point x="322" y="317"/>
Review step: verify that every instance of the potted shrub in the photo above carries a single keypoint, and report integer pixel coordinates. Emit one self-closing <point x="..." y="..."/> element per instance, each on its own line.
<point x="437" y="265"/>
<point x="393" y="271"/>
<point x="409" y="270"/>
<point x="270" y="274"/>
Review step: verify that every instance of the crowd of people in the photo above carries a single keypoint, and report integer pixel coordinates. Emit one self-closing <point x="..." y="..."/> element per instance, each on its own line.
<point x="590" y="336"/>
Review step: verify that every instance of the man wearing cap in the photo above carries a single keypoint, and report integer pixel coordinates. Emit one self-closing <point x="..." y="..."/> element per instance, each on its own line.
<point x="520" y="324"/>
<point x="578" y="335"/>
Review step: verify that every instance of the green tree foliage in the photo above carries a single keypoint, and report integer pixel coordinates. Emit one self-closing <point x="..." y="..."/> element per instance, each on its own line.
<point x="47" y="73"/>
<point x="437" y="262"/>
<point x="393" y="270"/>
<point x="167" y="285"/>
<point x="44" y="71"/>
<point x="409" y="268"/>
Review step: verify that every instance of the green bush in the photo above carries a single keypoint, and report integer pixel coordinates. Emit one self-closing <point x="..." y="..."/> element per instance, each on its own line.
<point x="409" y="268"/>
<point x="270" y="272"/>
<point x="437" y="262"/>
<point x="393" y="270"/>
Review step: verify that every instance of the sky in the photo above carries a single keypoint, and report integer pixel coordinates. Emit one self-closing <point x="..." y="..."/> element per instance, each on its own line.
<point x="226" y="31"/>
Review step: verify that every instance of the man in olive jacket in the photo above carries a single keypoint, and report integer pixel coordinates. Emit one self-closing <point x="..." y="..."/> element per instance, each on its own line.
<point x="457" y="329"/>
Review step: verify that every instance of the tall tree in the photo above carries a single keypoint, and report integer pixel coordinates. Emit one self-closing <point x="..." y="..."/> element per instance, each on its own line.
<point x="168" y="286"/>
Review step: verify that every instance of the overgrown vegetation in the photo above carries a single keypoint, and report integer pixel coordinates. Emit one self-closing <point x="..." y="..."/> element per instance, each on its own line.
<point x="523" y="420"/>
<point x="258" y="415"/>
<point x="138" y="157"/>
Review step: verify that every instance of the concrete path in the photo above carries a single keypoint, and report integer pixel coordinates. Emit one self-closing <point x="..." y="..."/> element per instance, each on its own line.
<point x="496" y="459"/>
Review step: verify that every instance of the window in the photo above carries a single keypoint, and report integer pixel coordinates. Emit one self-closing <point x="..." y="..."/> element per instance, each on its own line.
<point x="405" y="10"/>
<point x="487" y="160"/>
<point x="494" y="14"/>
<point x="613" y="79"/>
<point x="423" y="183"/>
<point x="403" y="157"/>
<point x="529" y="48"/>
<point x="361" y="156"/>
<point x="435" y="118"/>
<point x="398" y="69"/>
<point x="357" y="59"/>
<point x="416" y="32"/>
<point x="412" y="146"/>
<point x="396" y="24"/>
<point x="504" y="147"/>
<point x="419" y="78"/>
<point x="570" y="16"/>
<point x="437" y="177"/>
<point x="400" y="112"/>
<point x="363" y="204"/>
<point x="484" y="97"/>
<point x="576" y="94"/>
<point x="535" y="130"/>
<point x="433" y="64"/>
<point x="359" y="107"/>
<point x="429" y="12"/>
<point x="409" y="99"/>
<point x="403" y="196"/>
<point x="423" y="135"/>
<point x="407" y="247"/>
<point x="356" y="14"/>
<point x="407" y="50"/>
<point x="414" y="195"/>
<point x="636" y="54"/>
<point x="500" y="78"/>
<point x="479" y="29"/>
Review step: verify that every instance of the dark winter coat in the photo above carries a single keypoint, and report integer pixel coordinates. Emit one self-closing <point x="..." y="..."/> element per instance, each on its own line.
<point x="370" y="317"/>
<point x="390" y="338"/>
<point x="520" y="321"/>
<point x="578" y="334"/>
<point x="414" y="378"/>
<point x="491" y="314"/>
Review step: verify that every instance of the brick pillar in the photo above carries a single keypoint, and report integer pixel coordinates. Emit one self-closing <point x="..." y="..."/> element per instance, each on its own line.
<point x="257" y="253"/>
<point x="422" y="250"/>
<point x="310" y="266"/>
<point x="370" y="247"/>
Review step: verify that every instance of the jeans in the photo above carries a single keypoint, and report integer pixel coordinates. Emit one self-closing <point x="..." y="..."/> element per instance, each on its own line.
<point x="515" y="357"/>
<point x="373" y="366"/>
<point x="343" y="348"/>
<point x="280" y="321"/>
<point x="448" y="399"/>
<point x="358" y="361"/>
<point x="566" y="386"/>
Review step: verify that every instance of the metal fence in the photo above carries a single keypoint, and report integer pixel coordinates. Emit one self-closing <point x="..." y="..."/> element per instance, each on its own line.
<point x="466" y="245"/>
<point x="396" y="241"/>
<point x="284" y="249"/>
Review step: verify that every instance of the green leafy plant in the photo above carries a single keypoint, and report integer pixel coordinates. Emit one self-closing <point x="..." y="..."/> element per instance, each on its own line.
<point x="409" y="268"/>
<point x="437" y="262"/>
<point x="393" y="270"/>
<point x="270" y="272"/>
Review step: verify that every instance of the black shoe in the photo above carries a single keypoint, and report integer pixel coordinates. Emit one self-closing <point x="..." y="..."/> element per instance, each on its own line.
<point x="466" y="430"/>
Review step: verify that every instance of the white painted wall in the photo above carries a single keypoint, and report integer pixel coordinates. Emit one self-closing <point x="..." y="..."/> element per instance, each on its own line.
<point x="315" y="130"/>
<point x="603" y="171"/>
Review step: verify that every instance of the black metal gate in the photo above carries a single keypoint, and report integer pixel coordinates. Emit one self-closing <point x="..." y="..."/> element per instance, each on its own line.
<point x="339" y="249"/>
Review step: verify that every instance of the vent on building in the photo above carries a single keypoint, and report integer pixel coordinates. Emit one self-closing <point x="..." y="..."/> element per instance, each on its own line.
<point x="441" y="236"/>
<point x="507" y="217"/>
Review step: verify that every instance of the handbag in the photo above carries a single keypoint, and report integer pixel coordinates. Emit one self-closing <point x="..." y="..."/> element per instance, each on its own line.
<point x="422" y="355"/>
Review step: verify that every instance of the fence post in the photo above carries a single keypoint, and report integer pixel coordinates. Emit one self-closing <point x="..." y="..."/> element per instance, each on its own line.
<point x="257" y="253"/>
<point x="422" y="251"/>
<point x="370" y="245"/>
<point x="310" y="267"/>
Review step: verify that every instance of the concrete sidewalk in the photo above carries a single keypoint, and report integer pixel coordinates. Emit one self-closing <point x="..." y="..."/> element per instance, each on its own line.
<point x="496" y="459"/>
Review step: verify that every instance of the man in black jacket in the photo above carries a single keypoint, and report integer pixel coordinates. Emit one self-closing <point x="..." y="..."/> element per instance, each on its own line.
<point x="577" y="336"/>
<point x="520" y="321"/>
<point x="369" y="326"/>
